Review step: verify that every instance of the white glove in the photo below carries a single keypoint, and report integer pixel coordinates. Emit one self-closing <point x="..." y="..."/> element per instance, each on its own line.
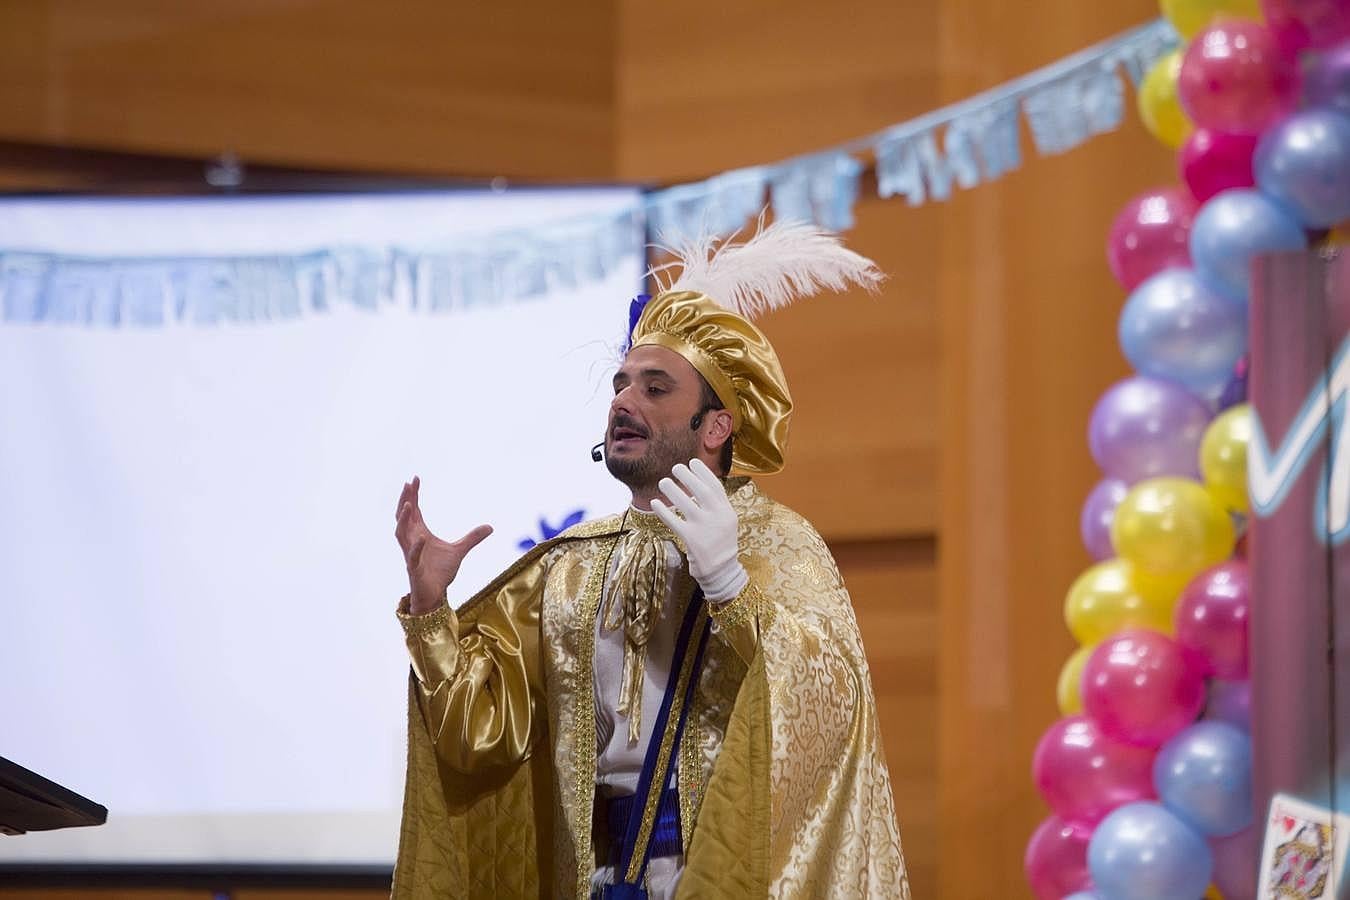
<point x="707" y="525"/>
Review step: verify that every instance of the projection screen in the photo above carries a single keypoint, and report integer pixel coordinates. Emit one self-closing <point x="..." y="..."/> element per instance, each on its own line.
<point x="197" y="563"/>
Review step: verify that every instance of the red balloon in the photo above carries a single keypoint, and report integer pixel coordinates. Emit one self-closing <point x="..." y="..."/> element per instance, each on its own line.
<point x="1235" y="77"/>
<point x="1211" y="619"/>
<point x="1150" y="234"/>
<point x="1056" y="859"/>
<point x="1211" y="161"/>
<point x="1140" y="687"/>
<point x="1083" y="774"/>
<point x="1308" y="23"/>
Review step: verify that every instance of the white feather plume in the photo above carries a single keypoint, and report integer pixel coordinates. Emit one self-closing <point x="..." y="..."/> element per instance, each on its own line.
<point x="779" y="264"/>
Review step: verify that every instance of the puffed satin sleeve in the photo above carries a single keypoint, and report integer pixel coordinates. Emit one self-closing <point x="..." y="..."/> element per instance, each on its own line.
<point x="478" y="673"/>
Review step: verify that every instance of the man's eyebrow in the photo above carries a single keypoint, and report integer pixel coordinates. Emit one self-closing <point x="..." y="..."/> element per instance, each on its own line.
<point x="645" y="373"/>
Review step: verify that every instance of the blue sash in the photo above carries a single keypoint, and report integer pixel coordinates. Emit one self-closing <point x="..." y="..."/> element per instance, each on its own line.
<point x="636" y="850"/>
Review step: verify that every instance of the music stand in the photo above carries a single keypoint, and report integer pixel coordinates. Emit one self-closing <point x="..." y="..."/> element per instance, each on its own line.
<point x="29" y="802"/>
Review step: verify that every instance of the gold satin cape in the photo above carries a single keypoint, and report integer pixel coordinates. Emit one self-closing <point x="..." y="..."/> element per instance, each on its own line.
<point x="783" y="784"/>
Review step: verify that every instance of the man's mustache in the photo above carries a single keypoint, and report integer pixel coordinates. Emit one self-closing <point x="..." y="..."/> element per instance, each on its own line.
<point x="622" y="421"/>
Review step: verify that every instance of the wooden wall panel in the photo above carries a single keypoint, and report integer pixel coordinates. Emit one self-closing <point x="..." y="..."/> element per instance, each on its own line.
<point x="705" y="86"/>
<point x="864" y="373"/>
<point x="1029" y="316"/>
<point x="893" y="584"/>
<point x="521" y="89"/>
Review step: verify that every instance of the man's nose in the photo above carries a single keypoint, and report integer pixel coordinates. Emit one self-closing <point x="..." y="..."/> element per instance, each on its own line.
<point x="622" y="401"/>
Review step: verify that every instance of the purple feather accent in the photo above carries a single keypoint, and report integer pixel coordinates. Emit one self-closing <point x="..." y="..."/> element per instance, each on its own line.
<point x="635" y="308"/>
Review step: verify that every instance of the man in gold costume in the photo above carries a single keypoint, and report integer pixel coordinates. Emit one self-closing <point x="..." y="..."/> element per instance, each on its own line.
<point x="669" y="702"/>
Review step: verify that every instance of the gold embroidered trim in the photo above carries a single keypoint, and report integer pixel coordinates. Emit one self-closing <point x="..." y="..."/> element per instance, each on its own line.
<point x="653" y="799"/>
<point x="599" y="528"/>
<point x="689" y="775"/>
<point x="424" y="623"/>
<point x="583" y="717"/>
<point x="747" y="604"/>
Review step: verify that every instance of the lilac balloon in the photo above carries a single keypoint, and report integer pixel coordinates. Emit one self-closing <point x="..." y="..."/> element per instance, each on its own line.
<point x="1231" y="702"/>
<point x="1327" y="81"/>
<point x="1303" y="161"/>
<point x="1235" y="391"/>
<point x="1175" y="326"/>
<point x="1237" y="859"/>
<point x="1146" y="427"/>
<point x="1083" y="774"/>
<point x="1094" y="524"/>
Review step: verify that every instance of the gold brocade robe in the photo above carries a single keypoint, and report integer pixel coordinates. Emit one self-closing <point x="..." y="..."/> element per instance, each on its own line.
<point x="782" y="780"/>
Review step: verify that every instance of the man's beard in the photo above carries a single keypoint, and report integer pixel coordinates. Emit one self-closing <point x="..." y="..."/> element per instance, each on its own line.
<point x="664" y="450"/>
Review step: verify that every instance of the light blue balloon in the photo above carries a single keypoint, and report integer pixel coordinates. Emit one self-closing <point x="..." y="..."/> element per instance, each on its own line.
<point x="1232" y="228"/>
<point x="1140" y="851"/>
<point x="1175" y="327"/>
<point x="1204" y="775"/>
<point x="1303" y="162"/>
<point x="1083" y="895"/>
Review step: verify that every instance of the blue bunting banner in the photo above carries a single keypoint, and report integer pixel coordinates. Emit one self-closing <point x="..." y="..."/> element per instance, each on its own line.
<point x="923" y="160"/>
<point x="961" y="145"/>
<point x="208" y="290"/>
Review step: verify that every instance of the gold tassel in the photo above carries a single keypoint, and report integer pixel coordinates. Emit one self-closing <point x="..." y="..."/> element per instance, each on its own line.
<point x="634" y="602"/>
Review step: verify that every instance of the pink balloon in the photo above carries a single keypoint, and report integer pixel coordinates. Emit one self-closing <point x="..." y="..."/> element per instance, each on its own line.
<point x="1140" y="687"/>
<point x="1212" y="161"/>
<point x="1056" y="859"/>
<point x="1236" y="861"/>
<point x="1150" y="234"/>
<point x="1308" y="23"/>
<point x="1236" y="78"/>
<point x="1083" y="774"/>
<point x="1211" y="619"/>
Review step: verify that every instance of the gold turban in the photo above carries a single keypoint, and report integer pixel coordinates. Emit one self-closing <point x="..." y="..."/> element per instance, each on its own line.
<point x="739" y="364"/>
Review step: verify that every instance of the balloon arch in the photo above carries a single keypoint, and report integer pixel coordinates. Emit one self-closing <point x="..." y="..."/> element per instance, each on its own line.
<point x="1148" y="773"/>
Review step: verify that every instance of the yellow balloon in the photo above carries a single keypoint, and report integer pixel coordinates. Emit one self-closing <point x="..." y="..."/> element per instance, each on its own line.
<point x="1109" y="596"/>
<point x="1069" y="690"/>
<point x="1223" y="457"/>
<point x="1172" y="527"/>
<point x="1190" y="17"/>
<point x="1159" y="105"/>
<point x="1213" y="893"/>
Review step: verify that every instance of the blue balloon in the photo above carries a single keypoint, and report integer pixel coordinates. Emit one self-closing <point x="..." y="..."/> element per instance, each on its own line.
<point x="1204" y="775"/>
<point x="1303" y="162"/>
<point x="1235" y="226"/>
<point x="1140" y="851"/>
<point x="1083" y="895"/>
<point x="1174" y="327"/>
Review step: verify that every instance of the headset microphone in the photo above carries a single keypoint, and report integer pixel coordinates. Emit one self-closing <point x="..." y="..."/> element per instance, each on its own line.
<point x="596" y="455"/>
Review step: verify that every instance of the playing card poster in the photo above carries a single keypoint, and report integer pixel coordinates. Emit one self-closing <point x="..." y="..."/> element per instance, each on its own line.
<point x="1299" y="478"/>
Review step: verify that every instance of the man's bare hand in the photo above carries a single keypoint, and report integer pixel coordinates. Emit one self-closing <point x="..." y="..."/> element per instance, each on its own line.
<point x="432" y="562"/>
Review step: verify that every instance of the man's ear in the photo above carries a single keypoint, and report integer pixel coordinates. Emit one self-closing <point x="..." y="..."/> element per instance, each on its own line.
<point x="719" y="427"/>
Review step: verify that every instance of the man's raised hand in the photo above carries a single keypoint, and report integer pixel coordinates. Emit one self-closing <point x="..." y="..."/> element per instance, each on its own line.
<point x="432" y="563"/>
